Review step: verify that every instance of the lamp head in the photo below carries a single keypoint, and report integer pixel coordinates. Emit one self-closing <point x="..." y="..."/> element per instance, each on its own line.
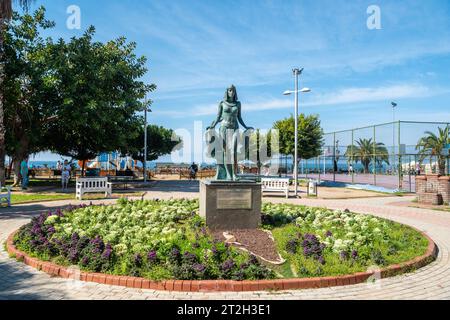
<point x="297" y="71"/>
<point x="393" y="104"/>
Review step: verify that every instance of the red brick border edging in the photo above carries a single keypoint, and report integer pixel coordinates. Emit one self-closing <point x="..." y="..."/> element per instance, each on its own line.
<point x="225" y="285"/>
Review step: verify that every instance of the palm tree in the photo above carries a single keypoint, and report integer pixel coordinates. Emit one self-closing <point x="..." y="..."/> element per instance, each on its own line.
<point x="5" y="15"/>
<point x="364" y="151"/>
<point x="432" y="145"/>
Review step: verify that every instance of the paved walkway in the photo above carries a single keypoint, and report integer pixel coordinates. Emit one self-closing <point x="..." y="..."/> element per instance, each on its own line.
<point x="18" y="281"/>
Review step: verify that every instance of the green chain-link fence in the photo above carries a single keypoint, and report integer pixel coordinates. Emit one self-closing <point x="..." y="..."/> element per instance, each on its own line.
<point x="383" y="155"/>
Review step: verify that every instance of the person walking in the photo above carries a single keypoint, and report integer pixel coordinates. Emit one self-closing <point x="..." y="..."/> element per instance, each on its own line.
<point x="24" y="173"/>
<point x="65" y="175"/>
<point x="193" y="171"/>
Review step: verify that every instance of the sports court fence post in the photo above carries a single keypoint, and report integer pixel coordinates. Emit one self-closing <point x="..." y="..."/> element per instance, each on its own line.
<point x="351" y="160"/>
<point x="448" y="152"/>
<point x="409" y="174"/>
<point x="334" y="156"/>
<point x="399" y="160"/>
<point x="374" y="157"/>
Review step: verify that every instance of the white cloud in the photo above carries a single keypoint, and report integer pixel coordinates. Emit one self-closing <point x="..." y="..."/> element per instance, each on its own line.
<point x="339" y="97"/>
<point x="211" y="109"/>
<point x="249" y="107"/>
<point x="360" y="95"/>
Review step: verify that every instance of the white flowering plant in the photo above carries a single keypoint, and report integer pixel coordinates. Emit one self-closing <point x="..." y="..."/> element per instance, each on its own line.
<point x="320" y="241"/>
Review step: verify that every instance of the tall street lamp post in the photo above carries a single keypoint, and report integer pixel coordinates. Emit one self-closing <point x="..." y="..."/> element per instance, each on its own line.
<point x="296" y="73"/>
<point x="146" y="109"/>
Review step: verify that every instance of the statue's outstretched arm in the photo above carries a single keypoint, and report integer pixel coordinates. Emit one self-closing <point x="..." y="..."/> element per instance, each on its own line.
<point x="218" y="118"/>
<point x="240" y="119"/>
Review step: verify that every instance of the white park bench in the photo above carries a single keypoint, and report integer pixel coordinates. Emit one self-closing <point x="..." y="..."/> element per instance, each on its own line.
<point x="5" y="196"/>
<point x="86" y="185"/>
<point x="275" y="185"/>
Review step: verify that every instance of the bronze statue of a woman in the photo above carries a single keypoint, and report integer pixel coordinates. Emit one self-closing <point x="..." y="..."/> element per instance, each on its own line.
<point x="229" y="115"/>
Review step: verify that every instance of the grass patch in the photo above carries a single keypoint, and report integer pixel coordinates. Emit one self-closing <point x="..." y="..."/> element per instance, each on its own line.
<point x="392" y="194"/>
<point x="445" y="209"/>
<point x="18" y="198"/>
<point x="44" y="182"/>
<point x="37" y="197"/>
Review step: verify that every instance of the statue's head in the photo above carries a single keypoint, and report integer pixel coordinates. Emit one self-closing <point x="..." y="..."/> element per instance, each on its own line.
<point x="231" y="94"/>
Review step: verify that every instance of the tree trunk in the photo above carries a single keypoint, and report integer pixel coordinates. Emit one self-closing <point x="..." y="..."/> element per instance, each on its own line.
<point x="17" y="176"/>
<point x="10" y="169"/>
<point x="82" y="168"/>
<point x="366" y="166"/>
<point x="2" y="124"/>
<point x="20" y="154"/>
<point x="441" y="166"/>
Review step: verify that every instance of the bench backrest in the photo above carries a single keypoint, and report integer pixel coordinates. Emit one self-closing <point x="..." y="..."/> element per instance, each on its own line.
<point x="275" y="183"/>
<point x="92" y="183"/>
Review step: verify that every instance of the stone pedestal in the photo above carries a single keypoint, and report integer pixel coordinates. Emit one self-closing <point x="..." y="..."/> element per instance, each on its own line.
<point x="230" y="204"/>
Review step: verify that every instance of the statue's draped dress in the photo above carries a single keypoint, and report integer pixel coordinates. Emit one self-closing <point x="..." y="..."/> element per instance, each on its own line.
<point x="227" y="156"/>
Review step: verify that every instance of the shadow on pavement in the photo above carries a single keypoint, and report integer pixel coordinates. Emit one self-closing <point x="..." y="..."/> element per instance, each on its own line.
<point x="17" y="282"/>
<point x="26" y="211"/>
<point x="176" y="185"/>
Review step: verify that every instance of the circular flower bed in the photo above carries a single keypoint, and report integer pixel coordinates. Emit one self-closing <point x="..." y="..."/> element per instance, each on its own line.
<point x="168" y="240"/>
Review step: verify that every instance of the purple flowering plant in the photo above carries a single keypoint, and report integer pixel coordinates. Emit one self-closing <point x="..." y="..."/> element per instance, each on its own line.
<point x="84" y="236"/>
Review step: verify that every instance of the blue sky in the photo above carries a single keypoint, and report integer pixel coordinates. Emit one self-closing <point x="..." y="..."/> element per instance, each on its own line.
<point x="195" y="49"/>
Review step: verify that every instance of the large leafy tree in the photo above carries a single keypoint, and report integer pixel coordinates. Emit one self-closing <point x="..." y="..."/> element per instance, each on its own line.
<point x="5" y="16"/>
<point x="160" y="141"/>
<point x="432" y="145"/>
<point x="310" y="136"/>
<point x="365" y="150"/>
<point x="26" y="92"/>
<point x="259" y="147"/>
<point x="99" y="95"/>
